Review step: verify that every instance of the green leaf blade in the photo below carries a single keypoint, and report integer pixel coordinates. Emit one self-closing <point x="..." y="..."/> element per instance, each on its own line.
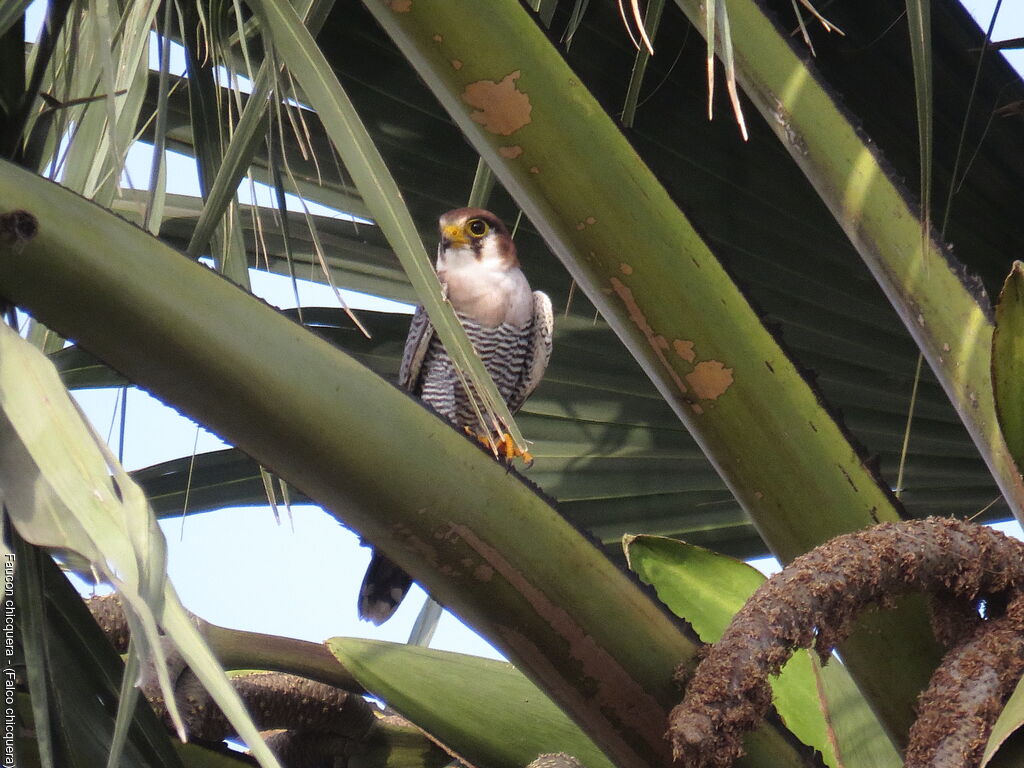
<point x="492" y="715"/>
<point x="1008" y="362"/>
<point x="698" y="585"/>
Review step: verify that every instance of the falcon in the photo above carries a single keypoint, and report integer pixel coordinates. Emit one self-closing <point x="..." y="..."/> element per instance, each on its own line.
<point x="510" y="327"/>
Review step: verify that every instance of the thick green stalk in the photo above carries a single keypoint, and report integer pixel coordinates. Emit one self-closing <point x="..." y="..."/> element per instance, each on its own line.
<point x="480" y="541"/>
<point x="943" y="312"/>
<point x="613" y="225"/>
<point x="641" y="262"/>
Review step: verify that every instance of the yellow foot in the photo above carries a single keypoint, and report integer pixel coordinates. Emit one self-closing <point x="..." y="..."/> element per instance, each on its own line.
<point x="503" y="448"/>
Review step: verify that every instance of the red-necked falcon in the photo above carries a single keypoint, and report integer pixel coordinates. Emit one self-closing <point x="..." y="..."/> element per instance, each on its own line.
<point x="510" y="327"/>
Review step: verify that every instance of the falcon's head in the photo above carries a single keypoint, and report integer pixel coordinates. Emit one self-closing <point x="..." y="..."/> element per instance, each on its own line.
<point x="473" y="237"/>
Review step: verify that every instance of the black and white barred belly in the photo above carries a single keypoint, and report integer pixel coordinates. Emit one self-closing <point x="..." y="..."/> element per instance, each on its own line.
<point x="506" y="353"/>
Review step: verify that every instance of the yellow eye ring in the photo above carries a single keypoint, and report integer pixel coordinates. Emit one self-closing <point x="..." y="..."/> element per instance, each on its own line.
<point x="477" y="228"/>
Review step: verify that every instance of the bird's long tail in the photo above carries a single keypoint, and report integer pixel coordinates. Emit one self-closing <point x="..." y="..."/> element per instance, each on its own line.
<point x="385" y="585"/>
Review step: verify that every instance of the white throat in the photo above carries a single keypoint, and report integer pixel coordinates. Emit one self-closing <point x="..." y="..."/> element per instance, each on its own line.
<point x="458" y="257"/>
<point x="485" y="288"/>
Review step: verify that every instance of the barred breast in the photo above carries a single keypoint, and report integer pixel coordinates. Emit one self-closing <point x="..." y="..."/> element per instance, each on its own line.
<point x="505" y="351"/>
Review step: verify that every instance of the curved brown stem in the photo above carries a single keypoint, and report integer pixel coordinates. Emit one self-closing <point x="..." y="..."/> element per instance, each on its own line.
<point x="238" y="649"/>
<point x="814" y="602"/>
<point x="966" y="694"/>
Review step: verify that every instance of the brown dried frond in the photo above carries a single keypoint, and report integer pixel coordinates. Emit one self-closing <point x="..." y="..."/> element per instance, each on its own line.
<point x="109" y="614"/>
<point x="555" y="760"/>
<point x="956" y="713"/>
<point x="813" y="603"/>
<point x="275" y="700"/>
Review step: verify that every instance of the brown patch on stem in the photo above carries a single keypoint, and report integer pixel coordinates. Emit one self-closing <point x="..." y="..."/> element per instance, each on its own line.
<point x="510" y="153"/>
<point x="625" y="268"/>
<point x="710" y="379"/>
<point x="498" y="106"/>
<point x="456" y="64"/>
<point x="539" y="660"/>
<point x="615" y="690"/>
<point x="483" y="573"/>
<point x="401" y="6"/>
<point x="684" y="349"/>
<point x="637" y="316"/>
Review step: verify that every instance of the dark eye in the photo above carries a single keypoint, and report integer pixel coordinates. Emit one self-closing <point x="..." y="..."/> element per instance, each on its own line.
<point x="477" y="227"/>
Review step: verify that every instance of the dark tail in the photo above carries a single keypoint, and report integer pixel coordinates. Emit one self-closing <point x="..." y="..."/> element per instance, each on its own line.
<point x="385" y="585"/>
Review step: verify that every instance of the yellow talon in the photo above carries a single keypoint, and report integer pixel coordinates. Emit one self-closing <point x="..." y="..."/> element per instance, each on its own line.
<point x="504" y="447"/>
<point x="507" y="447"/>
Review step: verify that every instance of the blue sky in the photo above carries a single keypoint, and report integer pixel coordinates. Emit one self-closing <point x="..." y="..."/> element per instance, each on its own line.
<point x="299" y="578"/>
<point x="1009" y="24"/>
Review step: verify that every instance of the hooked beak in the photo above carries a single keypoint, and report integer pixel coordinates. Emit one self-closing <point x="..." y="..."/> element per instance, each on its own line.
<point x="452" y="234"/>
